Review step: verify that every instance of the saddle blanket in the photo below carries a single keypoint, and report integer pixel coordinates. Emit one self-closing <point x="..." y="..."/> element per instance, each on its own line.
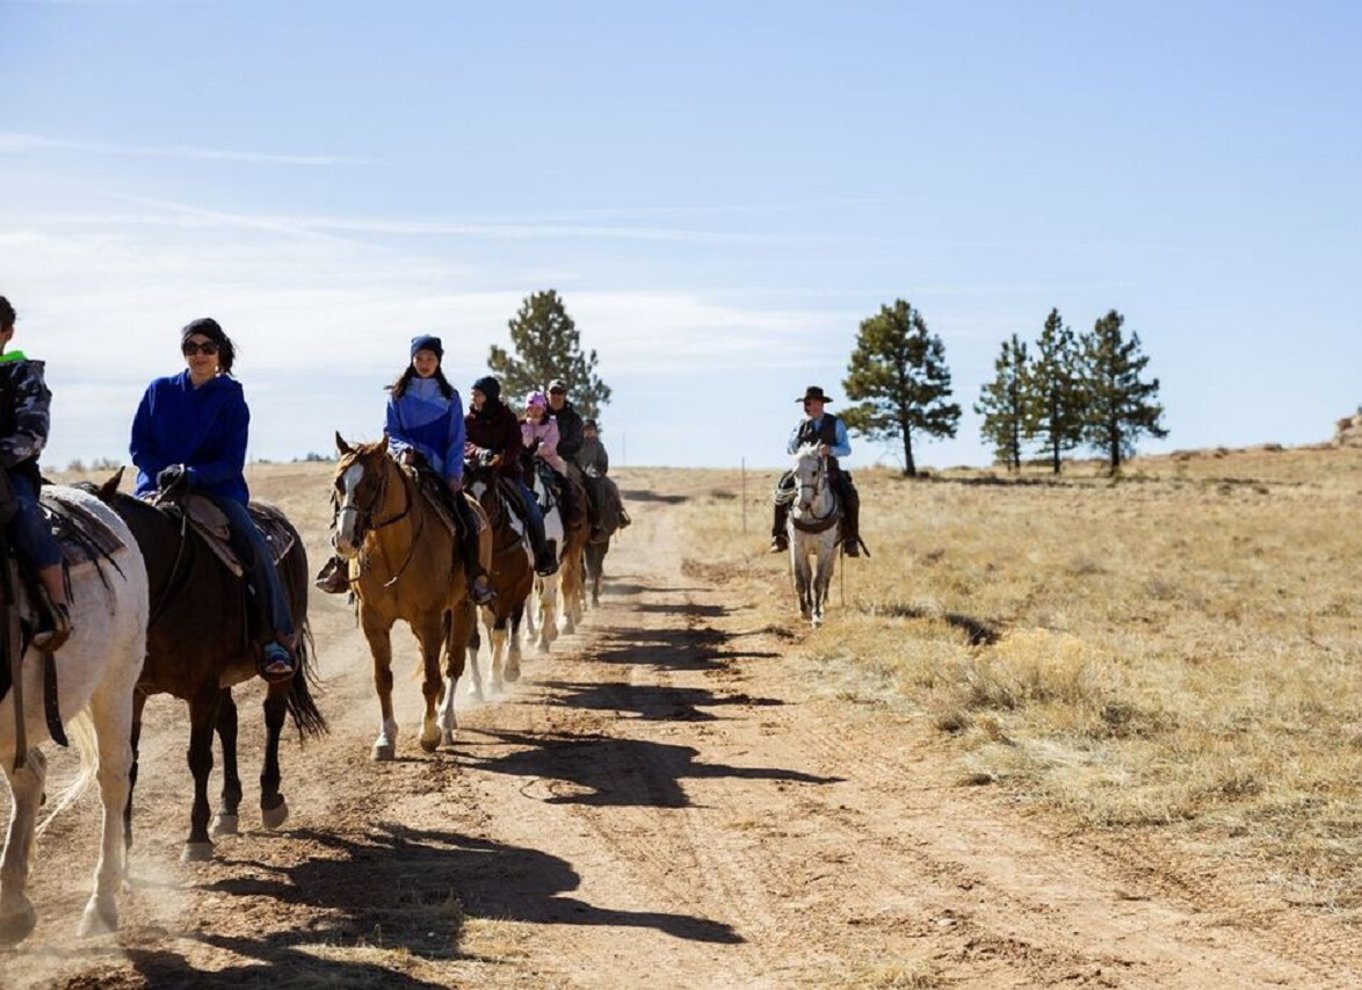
<point x="82" y="536"/>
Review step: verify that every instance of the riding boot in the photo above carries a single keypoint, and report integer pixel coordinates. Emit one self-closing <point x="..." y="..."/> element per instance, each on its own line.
<point x="57" y="629"/>
<point x="851" y="522"/>
<point x="780" y="542"/>
<point x="545" y="562"/>
<point x="479" y="587"/>
<point x="334" y="577"/>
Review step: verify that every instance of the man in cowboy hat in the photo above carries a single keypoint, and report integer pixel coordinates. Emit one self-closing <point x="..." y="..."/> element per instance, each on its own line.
<point x="830" y="434"/>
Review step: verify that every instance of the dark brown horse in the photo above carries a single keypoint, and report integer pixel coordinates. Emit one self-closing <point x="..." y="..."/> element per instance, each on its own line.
<point x="512" y="575"/>
<point x="597" y="549"/>
<point x="200" y="643"/>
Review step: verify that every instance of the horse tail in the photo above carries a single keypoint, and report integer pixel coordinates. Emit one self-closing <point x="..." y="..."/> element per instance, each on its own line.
<point x="307" y="717"/>
<point x="80" y="732"/>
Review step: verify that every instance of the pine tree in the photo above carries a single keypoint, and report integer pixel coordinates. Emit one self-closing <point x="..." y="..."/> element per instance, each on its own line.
<point x="898" y="375"/>
<point x="1056" y="407"/>
<point x="545" y="345"/>
<point x="1120" y="407"/>
<point x="1003" y="404"/>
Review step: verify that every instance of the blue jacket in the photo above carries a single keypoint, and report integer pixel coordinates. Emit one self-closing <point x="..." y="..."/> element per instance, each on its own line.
<point x="425" y="421"/>
<point x="203" y="428"/>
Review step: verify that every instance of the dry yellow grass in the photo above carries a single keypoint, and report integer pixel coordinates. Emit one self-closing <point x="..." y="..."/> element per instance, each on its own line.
<point x="1179" y="649"/>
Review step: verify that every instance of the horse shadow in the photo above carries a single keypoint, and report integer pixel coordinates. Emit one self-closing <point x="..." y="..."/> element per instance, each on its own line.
<point x="662" y="703"/>
<point x="399" y="888"/>
<point x="604" y="771"/>
<point x="697" y="648"/>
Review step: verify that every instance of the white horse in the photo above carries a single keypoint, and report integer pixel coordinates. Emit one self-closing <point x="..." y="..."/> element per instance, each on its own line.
<point x="97" y="671"/>
<point x="543" y="611"/>
<point x="812" y="527"/>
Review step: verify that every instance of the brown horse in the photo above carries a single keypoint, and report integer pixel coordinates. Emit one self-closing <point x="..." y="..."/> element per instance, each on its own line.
<point x="199" y="644"/>
<point x="512" y="575"/>
<point x="404" y="564"/>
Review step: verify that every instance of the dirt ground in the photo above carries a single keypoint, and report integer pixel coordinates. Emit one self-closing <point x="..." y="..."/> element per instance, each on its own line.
<point x="669" y="799"/>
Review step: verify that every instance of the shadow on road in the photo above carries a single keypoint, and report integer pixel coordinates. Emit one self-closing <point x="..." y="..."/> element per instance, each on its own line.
<point x="394" y="888"/>
<point x="605" y="771"/>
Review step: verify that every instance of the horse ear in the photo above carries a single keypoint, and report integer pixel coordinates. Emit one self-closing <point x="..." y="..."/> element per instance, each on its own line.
<point x="110" y="488"/>
<point x="342" y="446"/>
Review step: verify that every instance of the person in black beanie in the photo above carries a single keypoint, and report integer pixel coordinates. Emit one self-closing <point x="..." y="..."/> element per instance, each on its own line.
<point x="493" y="433"/>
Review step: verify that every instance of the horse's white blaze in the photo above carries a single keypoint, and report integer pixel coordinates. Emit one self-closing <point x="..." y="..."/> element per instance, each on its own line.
<point x="347" y="516"/>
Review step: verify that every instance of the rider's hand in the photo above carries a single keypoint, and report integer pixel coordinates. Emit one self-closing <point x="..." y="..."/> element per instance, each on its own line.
<point x="173" y="478"/>
<point x="409" y="457"/>
<point x="455" y="484"/>
<point x="824" y="450"/>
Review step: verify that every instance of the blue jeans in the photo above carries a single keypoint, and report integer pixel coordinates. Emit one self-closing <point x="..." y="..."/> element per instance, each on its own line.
<point x="27" y="531"/>
<point x="251" y="546"/>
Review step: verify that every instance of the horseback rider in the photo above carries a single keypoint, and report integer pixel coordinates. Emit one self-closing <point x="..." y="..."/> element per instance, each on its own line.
<point x="830" y="434"/>
<point x="540" y="433"/>
<point x="570" y="437"/>
<point x="24" y="419"/>
<point x="493" y="434"/>
<point x="594" y="461"/>
<point x="189" y="435"/>
<point x="425" y="431"/>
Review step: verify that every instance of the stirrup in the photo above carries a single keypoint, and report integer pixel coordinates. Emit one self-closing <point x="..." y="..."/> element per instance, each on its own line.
<point x="484" y="597"/>
<point x="277" y="663"/>
<point x="545" y="564"/>
<point x="51" y="640"/>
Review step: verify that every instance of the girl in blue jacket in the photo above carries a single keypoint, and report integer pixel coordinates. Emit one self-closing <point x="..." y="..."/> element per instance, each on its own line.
<point x="190" y="435"/>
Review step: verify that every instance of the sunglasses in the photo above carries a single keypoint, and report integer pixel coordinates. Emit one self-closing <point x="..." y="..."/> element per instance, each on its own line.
<point x="189" y="348"/>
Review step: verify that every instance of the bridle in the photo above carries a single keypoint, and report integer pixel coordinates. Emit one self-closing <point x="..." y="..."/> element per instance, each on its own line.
<point x="365" y="523"/>
<point x="818" y="483"/>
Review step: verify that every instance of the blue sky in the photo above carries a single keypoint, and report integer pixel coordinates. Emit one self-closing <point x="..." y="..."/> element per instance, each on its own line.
<point x="720" y="192"/>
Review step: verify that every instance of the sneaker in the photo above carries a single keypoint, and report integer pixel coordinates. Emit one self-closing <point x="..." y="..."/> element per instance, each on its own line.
<point x="482" y="592"/>
<point x="276" y="663"/>
<point x="334" y="577"/>
<point x="779" y="544"/>
<point x="51" y="640"/>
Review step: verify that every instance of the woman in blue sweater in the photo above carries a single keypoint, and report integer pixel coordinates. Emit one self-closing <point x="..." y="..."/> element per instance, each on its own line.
<point x="190" y="435"/>
<point x="425" y="430"/>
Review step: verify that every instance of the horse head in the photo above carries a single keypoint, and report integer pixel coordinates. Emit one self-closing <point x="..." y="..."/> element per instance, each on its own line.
<point x="360" y="492"/>
<point x="811" y="477"/>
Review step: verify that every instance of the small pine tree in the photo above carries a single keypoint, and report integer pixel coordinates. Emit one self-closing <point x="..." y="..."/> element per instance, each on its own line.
<point x="898" y="375"/>
<point x="1003" y="404"/>
<point x="1120" y="407"/>
<point x="545" y="345"/>
<point x="1056" y="407"/>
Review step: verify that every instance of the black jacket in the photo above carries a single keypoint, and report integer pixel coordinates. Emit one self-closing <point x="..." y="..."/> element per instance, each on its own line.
<point x="25" y="404"/>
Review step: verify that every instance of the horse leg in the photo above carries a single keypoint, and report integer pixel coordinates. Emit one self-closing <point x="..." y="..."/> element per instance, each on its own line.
<point x="203" y="718"/>
<point x="430" y="636"/>
<point x="17" y="917"/>
<point x="273" y="807"/>
<point x="481" y="617"/>
<point x="801" y="577"/>
<point x="822" y="578"/>
<point x="513" y="657"/>
<point x="498" y="638"/>
<point x="226" y="820"/>
<point x="572" y="588"/>
<point x="548" y="611"/>
<point x="111" y="711"/>
<point x="380" y="648"/>
<point x="139" y="702"/>
<point x="460" y="621"/>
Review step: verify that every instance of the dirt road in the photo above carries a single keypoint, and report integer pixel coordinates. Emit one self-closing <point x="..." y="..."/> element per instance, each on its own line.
<point x="668" y="800"/>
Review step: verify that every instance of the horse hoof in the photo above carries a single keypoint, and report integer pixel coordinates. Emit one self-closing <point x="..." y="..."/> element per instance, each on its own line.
<point x="225" y="824"/>
<point x="512" y="675"/>
<point x="197" y="852"/>
<point x="430" y="745"/>
<point x="98" y="920"/>
<point x="382" y="754"/>
<point x="447" y="738"/>
<point x="275" y="817"/>
<point x="14" y="928"/>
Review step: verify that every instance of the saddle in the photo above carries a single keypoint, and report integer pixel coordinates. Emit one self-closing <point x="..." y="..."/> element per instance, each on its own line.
<point x="438" y="496"/>
<point x="210" y="522"/>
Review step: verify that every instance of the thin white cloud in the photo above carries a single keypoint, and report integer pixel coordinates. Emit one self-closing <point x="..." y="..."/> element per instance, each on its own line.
<point x="12" y="142"/>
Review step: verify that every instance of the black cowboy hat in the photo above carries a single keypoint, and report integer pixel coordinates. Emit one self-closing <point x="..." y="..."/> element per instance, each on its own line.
<point x="814" y="393"/>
